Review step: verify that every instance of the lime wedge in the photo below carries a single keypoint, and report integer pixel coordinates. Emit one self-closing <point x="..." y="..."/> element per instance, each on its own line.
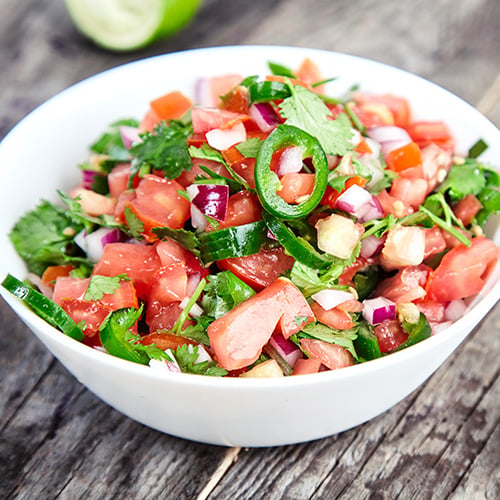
<point x="130" y="24"/>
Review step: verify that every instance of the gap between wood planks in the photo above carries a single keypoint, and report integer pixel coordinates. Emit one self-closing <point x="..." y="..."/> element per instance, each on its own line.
<point x="484" y="106"/>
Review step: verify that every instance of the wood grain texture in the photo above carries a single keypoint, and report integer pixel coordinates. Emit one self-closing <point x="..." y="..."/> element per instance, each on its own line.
<point x="57" y="440"/>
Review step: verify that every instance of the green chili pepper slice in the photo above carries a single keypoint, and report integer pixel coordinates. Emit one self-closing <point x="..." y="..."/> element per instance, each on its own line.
<point x="236" y="241"/>
<point x="366" y="343"/>
<point x="47" y="309"/>
<point x="268" y="183"/>
<point x="416" y="332"/>
<point x="296" y="246"/>
<point x="113" y="334"/>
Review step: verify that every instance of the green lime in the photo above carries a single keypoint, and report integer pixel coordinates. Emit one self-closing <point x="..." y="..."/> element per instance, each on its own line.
<point x="130" y="24"/>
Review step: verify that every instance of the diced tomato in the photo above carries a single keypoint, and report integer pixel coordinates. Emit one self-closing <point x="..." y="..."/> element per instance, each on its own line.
<point x="306" y="366"/>
<point x="398" y="106"/>
<point x="243" y="208"/>
<point x="237" y="338"/>
<point x="218" y="86"/>
<point x="404" y="246"/>
<point x="138" y="262"/>
<point x="434" y="241"/>
<point x="346" y="277"/>
<point x="332" y="356"/>
<point x="406" y="286"/>
<point x="118" y="179"/>
<point x="309" y="72"/>
<point x="150" y="120"/>
<point x="411" y="191"/>
<point x="390" y="335"/>
<point x="363" y="147"/>
<point x="123" y="199"/>
<point x="436" y="161"/>
<point x="162" y="316"/>
<point x="169" y="284"/>
<point x="50" y="274"/>
<point x="92" y="203"/>
<point x="188" y="176"/>
<point x="295" y="186"/>
<point x="206" y="119"/>
<point x="157" y="203"/>
<point x="463" y="271"/>
<point x="467" y="208"/>
<point x="171" y="106"/>
<point x="391" y="205"/>
<point x="334" y="318"/>
<point x="261" y="269"/>
<point x="69" y="293"/>
<point x="404" y="157"/>
<point x="427" y="132"/>
<point x="236" y="100"/>
<point x="373" y="114"/>
<point x="166" y="341"/>
<point x="433" y="311"/>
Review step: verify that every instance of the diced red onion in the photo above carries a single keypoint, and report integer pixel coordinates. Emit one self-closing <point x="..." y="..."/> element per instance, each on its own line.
<point x="374" y="146"/>
<point x="203" y="354"/>
<point x="389" y="137"/>
<point x="290" y="161"/>
<point x="198" y="220"/>
<point x="193" y="280"/>
<point x="371" y="246"/>
<point x="88" y="178"/>
<point x="211" y="199"/>
<point x="285" y="348"/>
<point x="93" y="243"/>
<point x="271" y="236"/>
<point x="129" y="135"/>
<point x="37" y="281"/>
<point x="164" y="365"/>
<point x="264" y="116"/>
<point x="330" y="298"/>
<point x="355" y="138"/>
<point x="203" y="95"/>
<point x="222" y="139"/>
<point x="378" y="309"/>
<point x="195" y="310"/>
<point x="359" y="202"/>
<point x="455" y="310"/>
<point x="439" y="327"/>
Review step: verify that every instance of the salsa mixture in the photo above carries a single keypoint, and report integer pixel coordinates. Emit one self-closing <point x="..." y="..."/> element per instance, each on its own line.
<point x="265" y="230"/>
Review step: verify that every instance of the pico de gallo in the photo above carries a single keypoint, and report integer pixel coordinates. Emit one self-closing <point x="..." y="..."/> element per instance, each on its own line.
<point x="264" y="230"/>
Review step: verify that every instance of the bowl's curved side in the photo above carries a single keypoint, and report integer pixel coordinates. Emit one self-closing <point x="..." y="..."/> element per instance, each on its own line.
<point x="39" y="156"/>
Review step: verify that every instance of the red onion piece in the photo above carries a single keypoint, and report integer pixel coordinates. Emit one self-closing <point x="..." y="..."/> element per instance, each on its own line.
<point x="203" y="354"/>
<point x="330" y="298"/>
<point x="264" y="116"/>
<point x="387" y="133"/>
<point x="371" y="246"/>
<point x="455" y="310"/>
<point x="203" y="95"/>
<point x="93" y="243"/>
<point x="359" y="202"/>
<point x="290" y="161"/>
<point x="378" y="309"/>
<point x="129" y="135"/>
<point x="223" y="138"/>
<point x="37" y="281"/>
<point x="164" y="365"/>
<point x="198" y="220"/>
<point x="212" y="200"/>
<point x="88" y="178"/>
<point x="285" y="348"/>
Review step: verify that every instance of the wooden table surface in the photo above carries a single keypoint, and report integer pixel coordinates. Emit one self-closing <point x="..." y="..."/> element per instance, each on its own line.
<point x="57" y="440"/>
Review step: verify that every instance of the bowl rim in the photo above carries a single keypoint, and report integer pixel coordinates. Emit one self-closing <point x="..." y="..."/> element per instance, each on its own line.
<point x="469" y="320"/>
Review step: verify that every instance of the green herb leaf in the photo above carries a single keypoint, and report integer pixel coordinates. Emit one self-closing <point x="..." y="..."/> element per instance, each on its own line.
<point x="101" y="285"/>
<point x="135" y="225"/>
<point x="223" y="292"/>
<point x="187" y="239"/>
<point x="186" y="356"/>
<point x="164" y="149"/>
<point x="343" y="338"/>
<point x="44" y="237"/>
<point x="305" y="110"/>
<point x="463" y="180"/>
<point x="280" y="70"/>
<point x="250" y="147"/>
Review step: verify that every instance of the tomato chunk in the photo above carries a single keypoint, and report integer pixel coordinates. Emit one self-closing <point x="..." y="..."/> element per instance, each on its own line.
<point x="238" y="337"/>
<point x="334" y="318"/>
<point x="390" y="335"/>
<point x="332" y="356"/>
<point x="463" y="271"/>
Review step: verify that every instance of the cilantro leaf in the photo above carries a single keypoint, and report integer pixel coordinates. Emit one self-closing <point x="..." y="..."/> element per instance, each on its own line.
<point x="305" y="110"/>
<point x="186" y="238"/>
<point x="463" y="180"/>
<point x="186" y="356"/>
<point x="280" y="70"/>
<point x="135" y="225"/>
<point x="250" y="147"/>
<point x="44" y="237"/>
<point x="223" y="292"/>
<point x="101" y="285"/>
<point x="164" y="149"/>
<point x="206" y="152"/>
<point x="111" y="139"/>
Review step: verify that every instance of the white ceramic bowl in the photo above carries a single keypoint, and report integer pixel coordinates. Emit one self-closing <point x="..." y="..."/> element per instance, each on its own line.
<point x="40" y="155"/>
